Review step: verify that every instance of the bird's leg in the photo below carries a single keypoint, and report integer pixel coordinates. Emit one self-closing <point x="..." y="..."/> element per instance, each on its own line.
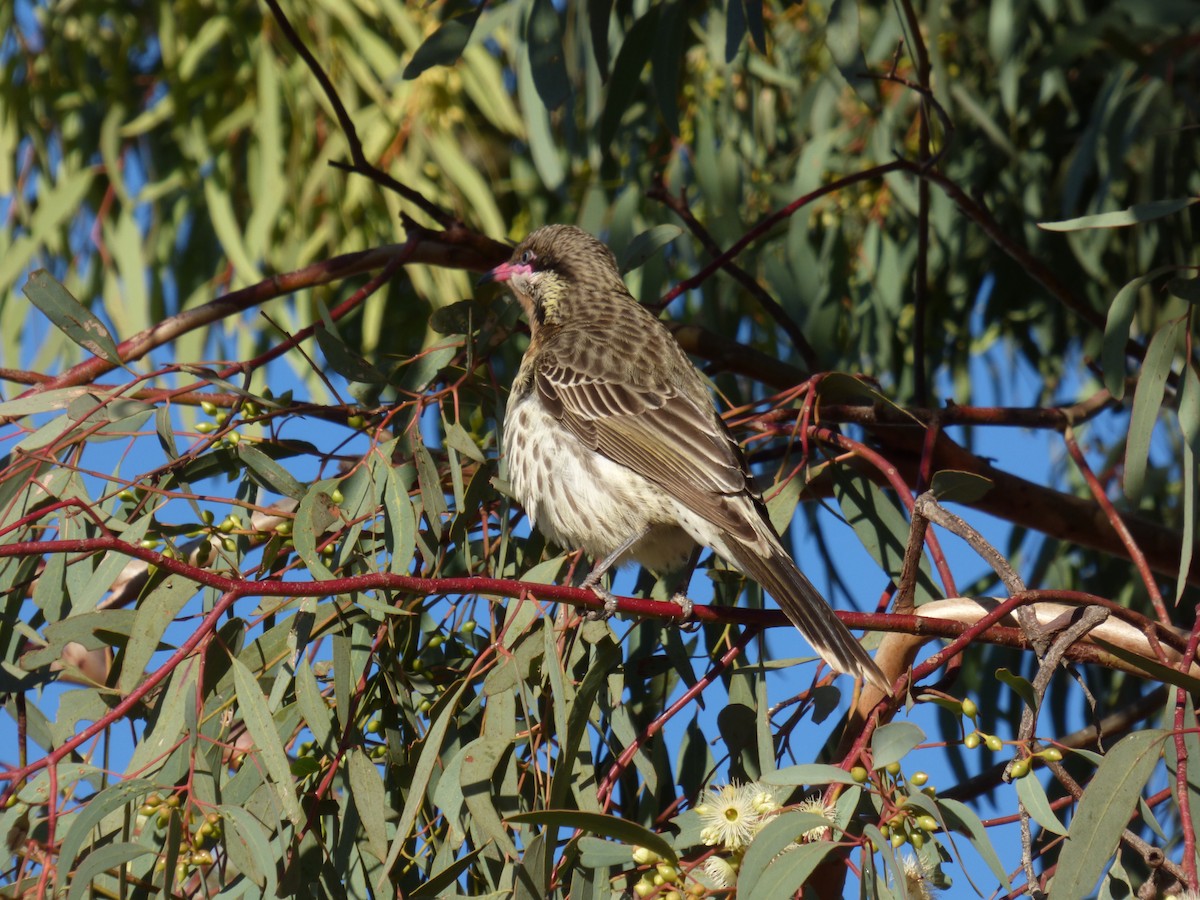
<point x="680" y="597"/>
<point x="592" y="582"/>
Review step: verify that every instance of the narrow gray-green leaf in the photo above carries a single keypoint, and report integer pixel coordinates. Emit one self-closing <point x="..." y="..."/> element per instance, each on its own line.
<point x="1033" y="795"/>
<point x="246" y="839"/>
<point x="478" y="773"/>
<point x="627" y="73"/>
<point x="98" y="807"/>
<point x="544" y="39"/>
<point x="782" y="831"/>
<point x="1139" y="212"/>
<point x="808" y="773"/>
<point x="444" y="46"/>
<point x="1147" y="400"/>
<point x="645" y="245"/>
<point x="1021" y="685"/>
<point x="1185" y="289"/>
<point x="108" y="858"/>
<point x="594" y="823"/>
<point x="787" y="872"/>
<point x="441" y="717"/>
<point x="346" y="362"/>
<point x="366" y="787"/>
<point x="961" y="818"/>
<point x="952" y="486"/>
<point x="70" y="316"/>
<point x="253" y="705"/>
<point x="1104" y="810"/>
<point x="893" y="741"/>
<point x="1189" y="516"/>
<point x="155" y="613"/>
<point x="272" y="474"/>
<point x="458" y="439"/>
<point x="666" y="62"/>
<point x="315" y="514"/>
<point x="59" y="398"/>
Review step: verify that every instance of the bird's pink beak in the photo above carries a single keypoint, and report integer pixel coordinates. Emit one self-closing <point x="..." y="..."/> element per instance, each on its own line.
<point x="505" y="271"/>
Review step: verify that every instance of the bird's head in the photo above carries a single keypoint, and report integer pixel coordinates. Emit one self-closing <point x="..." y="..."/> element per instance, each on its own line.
<point x="553" y="265"/>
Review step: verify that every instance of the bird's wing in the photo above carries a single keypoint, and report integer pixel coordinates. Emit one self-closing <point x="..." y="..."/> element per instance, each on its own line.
<point x="658" y="432"/>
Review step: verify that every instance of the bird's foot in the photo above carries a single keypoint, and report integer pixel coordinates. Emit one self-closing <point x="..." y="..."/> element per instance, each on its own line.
<point x="686" y="606"/>
<point x="609" y="599"/>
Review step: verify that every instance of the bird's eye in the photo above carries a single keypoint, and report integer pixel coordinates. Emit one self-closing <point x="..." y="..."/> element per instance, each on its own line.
<point x="527" y="257"/>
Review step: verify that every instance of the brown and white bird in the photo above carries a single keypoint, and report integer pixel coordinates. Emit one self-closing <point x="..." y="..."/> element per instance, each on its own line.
<point x="614" y="445"/>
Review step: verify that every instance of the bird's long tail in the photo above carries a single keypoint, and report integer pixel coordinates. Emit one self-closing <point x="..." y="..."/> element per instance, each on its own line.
<point x="807" y="609"/>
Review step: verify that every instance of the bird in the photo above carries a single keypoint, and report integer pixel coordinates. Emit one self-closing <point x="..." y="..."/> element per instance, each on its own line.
<point x="614" y="444"/>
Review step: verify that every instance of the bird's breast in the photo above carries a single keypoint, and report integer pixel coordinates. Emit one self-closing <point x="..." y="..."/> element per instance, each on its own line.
<point x="580" y="499"/>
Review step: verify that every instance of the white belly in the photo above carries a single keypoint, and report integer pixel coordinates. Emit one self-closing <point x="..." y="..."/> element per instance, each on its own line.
<point x="582" y="500"/>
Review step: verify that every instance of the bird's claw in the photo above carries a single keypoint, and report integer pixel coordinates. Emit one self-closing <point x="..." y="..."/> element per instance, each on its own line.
<point x="610" y="604"/>
<point x="686" y="606"/>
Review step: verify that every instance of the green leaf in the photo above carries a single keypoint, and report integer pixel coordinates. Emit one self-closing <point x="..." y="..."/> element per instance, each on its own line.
<point x="440" y="883"/>
<point x="880" y="526"/>
<point x="430" y="484"/>
<point x="347" y="363"/>
<point x="1116" y="333"/>
<point x="1189" y="409"/>
<point x="843" y="40"/>
<point x="253" y="705"/>
<point x="366" y="787"/>
<point x="781" y="831"/>
<point x="595" y="823"/>
<point x="788" y="872"/>
<point x="808" y="774"/>
<point x="246" y="839"/>
<point x="478" y="772"/>
<point x="98" y="807"/>
<point x="544" y="147"/>
<point x="441" y="717"/>
<point x="543" y="35"/>
<point x="1187" y="289"/>
<point x="1104" y="810"/>
<point x="107" y="858"/>
<point x="1147" y="400"/>
<point x="1152" y="667"/>
<point x="892" y="742"/>
<point x="666" y="61"/>
<point x="627" y="73"/>
<point x="458" y="439"/>
<point x="155" y="612"/>
<point x="1021" y="685"/>
<point x="271" y="473"/>
<point x="735" y="28"/>
<point x="1140" y="212"/>
<point x="444" y="46"/>
<point x="59" y="398"/>
<point x="314" y="516"/>
<point x="643" y="247"/>
<point x="223" y="217"/>
<point x="599" y="12"/>
<point x="1033" y="795"/>
<point x="952" y="486"/>
<point x="461" y="317"/>
<point x="962" y="818"/>
<point x="71" y="317"/>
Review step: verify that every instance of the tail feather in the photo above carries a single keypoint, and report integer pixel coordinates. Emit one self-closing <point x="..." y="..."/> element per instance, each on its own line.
<point x="808" y="611"/>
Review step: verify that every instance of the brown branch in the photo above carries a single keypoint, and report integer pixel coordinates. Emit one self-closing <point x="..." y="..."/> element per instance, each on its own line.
<point x="1118" y="525"/>
<point x="446" y="249"/>
<point x="770" y="221"/>
<point x="359" y="162"/>
<point x="658" y="191"/>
